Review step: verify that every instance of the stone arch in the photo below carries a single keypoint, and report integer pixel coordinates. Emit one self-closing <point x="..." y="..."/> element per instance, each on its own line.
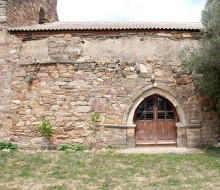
<point x="161" y="90"/>
<point x="42" y="16"/>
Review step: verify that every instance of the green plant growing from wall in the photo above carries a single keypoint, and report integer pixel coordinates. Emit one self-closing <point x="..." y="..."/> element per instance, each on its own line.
<point x="94" y="120"/>
<point x="93" y="126"/>
<point x="45" y="129"/>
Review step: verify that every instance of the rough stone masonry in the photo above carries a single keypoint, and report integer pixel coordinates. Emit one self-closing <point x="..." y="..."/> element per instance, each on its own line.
<point x="78" y="72"/>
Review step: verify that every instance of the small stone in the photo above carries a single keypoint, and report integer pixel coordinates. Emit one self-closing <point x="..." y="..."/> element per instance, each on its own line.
<point x="24" y="111"/>
<point x="66" y="75"/>
<point x="61" y="114"/>
<point x="180" y="81"/>
<point x="81" y="103"/>
<point x="83" y="109"/>
<point x="16" y="101"/>
<point x="20" y="124"/>
<point x="22" y="73"/>
<point x="130" y="132"/>
<point x="61" y="83"/>
<point x="45" y="91"/>
<point x="127" y="69"/>
<point x="77" y="83"/>
<point x="177" y="35"/>
<point x="111" y="65"/>
<point x="164" y="34"/>
<point x="79" y="124"/>
<point x="2" y="134"/>
<point x="132" y="76"/>
<point x="100" y="80"/>
<point x="55" y="75"/>
<point x="51" y="68"/>
<point x="14" y="138"/>
<point x="62" y="137"/>
<point x="38" y="110"/>
<point x="43" y="83"/>
<point x="39" y="75"/>
<point x="143" y="68"/>
<point x="186" y="35"/>
<point x="48" y="113"/>
<point x="55" y="108"/>
<point x="113" y="121"/>
<point x="176" y="75"/>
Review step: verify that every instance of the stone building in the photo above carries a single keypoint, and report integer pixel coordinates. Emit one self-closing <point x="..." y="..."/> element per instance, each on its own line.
<point x="27" y="12"/>
<point x="130" y="73"/>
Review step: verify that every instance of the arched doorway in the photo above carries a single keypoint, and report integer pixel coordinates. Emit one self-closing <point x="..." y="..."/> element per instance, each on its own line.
<point x="155" y="119"/>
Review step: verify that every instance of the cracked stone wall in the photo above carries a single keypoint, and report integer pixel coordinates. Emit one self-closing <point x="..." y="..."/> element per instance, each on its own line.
<point x="77" y="75"/>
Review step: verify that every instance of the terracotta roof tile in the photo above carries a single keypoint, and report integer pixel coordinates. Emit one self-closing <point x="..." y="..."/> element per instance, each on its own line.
<point x="110" y="26"/>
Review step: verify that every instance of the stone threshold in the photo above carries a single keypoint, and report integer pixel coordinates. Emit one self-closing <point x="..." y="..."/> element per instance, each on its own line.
<point x="159" y="150"/>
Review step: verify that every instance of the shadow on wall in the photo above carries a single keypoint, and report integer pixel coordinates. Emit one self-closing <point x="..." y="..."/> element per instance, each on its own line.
<point x="42" y="16"/>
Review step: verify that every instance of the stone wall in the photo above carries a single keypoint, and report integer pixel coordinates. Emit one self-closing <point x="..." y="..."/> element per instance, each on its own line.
<point x="9" y="48"/>
<point x="26" y="12"/>
<point x="3" y="17"/>
<point x="77" y="75"/>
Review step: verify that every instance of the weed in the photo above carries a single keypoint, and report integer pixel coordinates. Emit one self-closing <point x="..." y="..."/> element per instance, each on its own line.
<point x="173" y="181"/>
<point x="45" y="129"/>
<point x="57" y="187"/>
<point x="106" y="184"/>
<point x="213" y="150"/>
<point x="93" y="120"/>
<point x="58" y="173"/>
<point x="109" y="147"/>
<point x="154" y="184"/>
<point x="8" y="145"/>
<point x="64" y="147"/>
<point x="25" y="172"/>
<point x="78" y="147"/>
<point x="67" y="147"/>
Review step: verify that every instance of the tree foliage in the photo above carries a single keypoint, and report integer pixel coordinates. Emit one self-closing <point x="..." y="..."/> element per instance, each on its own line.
<point x="204" y="62"/>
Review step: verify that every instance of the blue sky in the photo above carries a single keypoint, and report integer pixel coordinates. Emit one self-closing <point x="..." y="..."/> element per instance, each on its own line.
<point x="130" y="10"/>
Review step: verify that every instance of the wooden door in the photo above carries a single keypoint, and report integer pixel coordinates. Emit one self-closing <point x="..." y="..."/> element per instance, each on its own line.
<point x="155" y="120"/>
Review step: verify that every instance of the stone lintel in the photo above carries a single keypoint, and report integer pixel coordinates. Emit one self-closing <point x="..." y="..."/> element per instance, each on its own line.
<point x="194" y="125"/>
<point x="189" y="125"/>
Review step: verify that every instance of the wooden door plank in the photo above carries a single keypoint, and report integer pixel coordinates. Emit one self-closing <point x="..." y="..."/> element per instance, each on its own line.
<point x="171" y="130"/>
<point x="145" y="133"/>
<point x="161" y="130"/>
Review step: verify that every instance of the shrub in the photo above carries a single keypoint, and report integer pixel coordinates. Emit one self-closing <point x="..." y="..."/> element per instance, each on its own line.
<point x="8" y="145"/>
<point x="45" y="129"/>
